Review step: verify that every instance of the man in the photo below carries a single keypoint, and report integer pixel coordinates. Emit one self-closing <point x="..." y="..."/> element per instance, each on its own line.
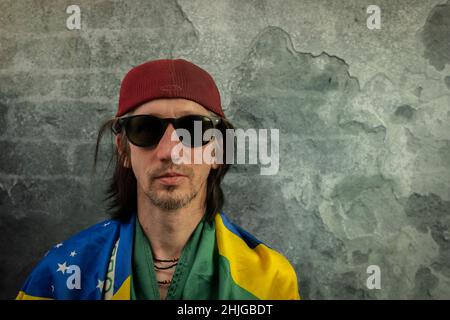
<point x="168" y="238"/>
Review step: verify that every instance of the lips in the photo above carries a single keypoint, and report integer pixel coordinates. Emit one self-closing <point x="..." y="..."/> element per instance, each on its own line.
<point x="171" y="178"/>
<point x="170" y="174"/>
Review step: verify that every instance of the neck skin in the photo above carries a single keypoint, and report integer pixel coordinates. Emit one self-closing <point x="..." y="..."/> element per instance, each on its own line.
<point x="168" y="232"/>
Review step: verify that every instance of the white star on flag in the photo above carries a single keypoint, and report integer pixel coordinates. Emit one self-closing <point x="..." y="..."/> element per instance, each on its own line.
<point x="100" y="284"/>
<point x="53" y="288"/>
<point x="58" y="245"/>
<point x="73" y="253"/>
<point x="107" y="224"/>
<point x="62" y="268"/>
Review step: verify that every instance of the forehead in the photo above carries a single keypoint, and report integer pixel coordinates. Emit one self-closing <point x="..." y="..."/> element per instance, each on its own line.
<point x="170" y="108"/>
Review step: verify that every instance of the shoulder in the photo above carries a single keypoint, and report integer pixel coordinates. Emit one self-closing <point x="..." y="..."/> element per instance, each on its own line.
<point x="72" y="256"/>
<point x="88" y="239"/>
<point x="253" y="264"/>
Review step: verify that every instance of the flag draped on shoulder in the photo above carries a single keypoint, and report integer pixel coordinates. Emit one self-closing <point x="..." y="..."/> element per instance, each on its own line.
<point x="97" y="264"/>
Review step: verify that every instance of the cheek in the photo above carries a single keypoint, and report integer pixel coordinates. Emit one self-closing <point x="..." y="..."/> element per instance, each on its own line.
<point x="201" y="173"/>
<point x="139" y="160"/>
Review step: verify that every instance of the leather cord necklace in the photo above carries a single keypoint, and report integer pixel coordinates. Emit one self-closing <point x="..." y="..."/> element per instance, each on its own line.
<point x="164" y="261"/>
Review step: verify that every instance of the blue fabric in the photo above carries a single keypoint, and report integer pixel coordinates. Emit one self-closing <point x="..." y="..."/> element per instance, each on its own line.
<point x="76" y="268"/>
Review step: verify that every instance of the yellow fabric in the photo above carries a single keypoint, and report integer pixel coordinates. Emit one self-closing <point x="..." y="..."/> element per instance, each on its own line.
<point x="124" y="291"/>
<point x="261" y="270"/>
<point x="23" y="296"/>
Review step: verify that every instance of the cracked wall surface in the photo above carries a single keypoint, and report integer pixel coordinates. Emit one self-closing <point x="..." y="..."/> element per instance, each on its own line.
<point x="364" y="176"/>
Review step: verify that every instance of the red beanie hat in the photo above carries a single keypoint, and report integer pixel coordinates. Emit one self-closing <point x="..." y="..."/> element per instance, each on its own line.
<point x="168" y="78"/>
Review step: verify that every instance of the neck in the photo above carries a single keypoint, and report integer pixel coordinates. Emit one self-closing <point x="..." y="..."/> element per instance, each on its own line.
<point x="168" y="231"/>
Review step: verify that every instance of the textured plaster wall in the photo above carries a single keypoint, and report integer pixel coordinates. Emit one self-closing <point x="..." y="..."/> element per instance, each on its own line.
<point x="364" y="119"/>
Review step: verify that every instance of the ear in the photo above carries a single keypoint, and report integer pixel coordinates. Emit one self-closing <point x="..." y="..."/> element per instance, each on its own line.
<point x="214" y="165"/>
<point x="118" y="141"/>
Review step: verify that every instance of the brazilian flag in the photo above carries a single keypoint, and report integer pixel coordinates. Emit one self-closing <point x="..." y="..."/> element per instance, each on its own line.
<point x="113" y="260"/>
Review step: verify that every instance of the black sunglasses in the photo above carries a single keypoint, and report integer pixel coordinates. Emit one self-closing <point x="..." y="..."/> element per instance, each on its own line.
<point x="147" y="130"/>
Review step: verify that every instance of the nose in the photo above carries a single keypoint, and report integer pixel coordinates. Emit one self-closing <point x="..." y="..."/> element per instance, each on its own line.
<point x="165" y="145"/>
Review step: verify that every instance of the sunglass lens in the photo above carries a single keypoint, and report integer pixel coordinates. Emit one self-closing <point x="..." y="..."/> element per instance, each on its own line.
<point x="188" y="123"/>
<point x="144" y="131"/>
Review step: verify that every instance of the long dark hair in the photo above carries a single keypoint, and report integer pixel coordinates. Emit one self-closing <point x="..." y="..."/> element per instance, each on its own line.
<point x="121" y="192"/>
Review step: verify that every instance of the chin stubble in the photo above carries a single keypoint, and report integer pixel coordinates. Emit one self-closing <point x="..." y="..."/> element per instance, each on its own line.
<point x="169" y="201"/>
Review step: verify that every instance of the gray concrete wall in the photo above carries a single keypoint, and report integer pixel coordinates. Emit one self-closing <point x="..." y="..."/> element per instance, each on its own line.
<point x="363" y="115"/>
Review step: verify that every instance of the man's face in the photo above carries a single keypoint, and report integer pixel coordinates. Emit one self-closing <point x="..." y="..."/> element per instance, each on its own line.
<point x="153" y="167"/>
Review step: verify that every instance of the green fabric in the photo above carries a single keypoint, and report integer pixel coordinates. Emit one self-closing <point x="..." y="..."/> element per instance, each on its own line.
<point x="201" y="273"/>
<point x="143" y="278"/>
<point x="228" y="289"/>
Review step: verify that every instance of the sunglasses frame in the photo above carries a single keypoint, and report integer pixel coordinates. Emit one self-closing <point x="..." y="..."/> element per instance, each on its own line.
<point x="120" y="123"/>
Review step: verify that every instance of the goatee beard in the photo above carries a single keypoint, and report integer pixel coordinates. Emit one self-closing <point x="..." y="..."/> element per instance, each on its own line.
<point x="169" y="201"/>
